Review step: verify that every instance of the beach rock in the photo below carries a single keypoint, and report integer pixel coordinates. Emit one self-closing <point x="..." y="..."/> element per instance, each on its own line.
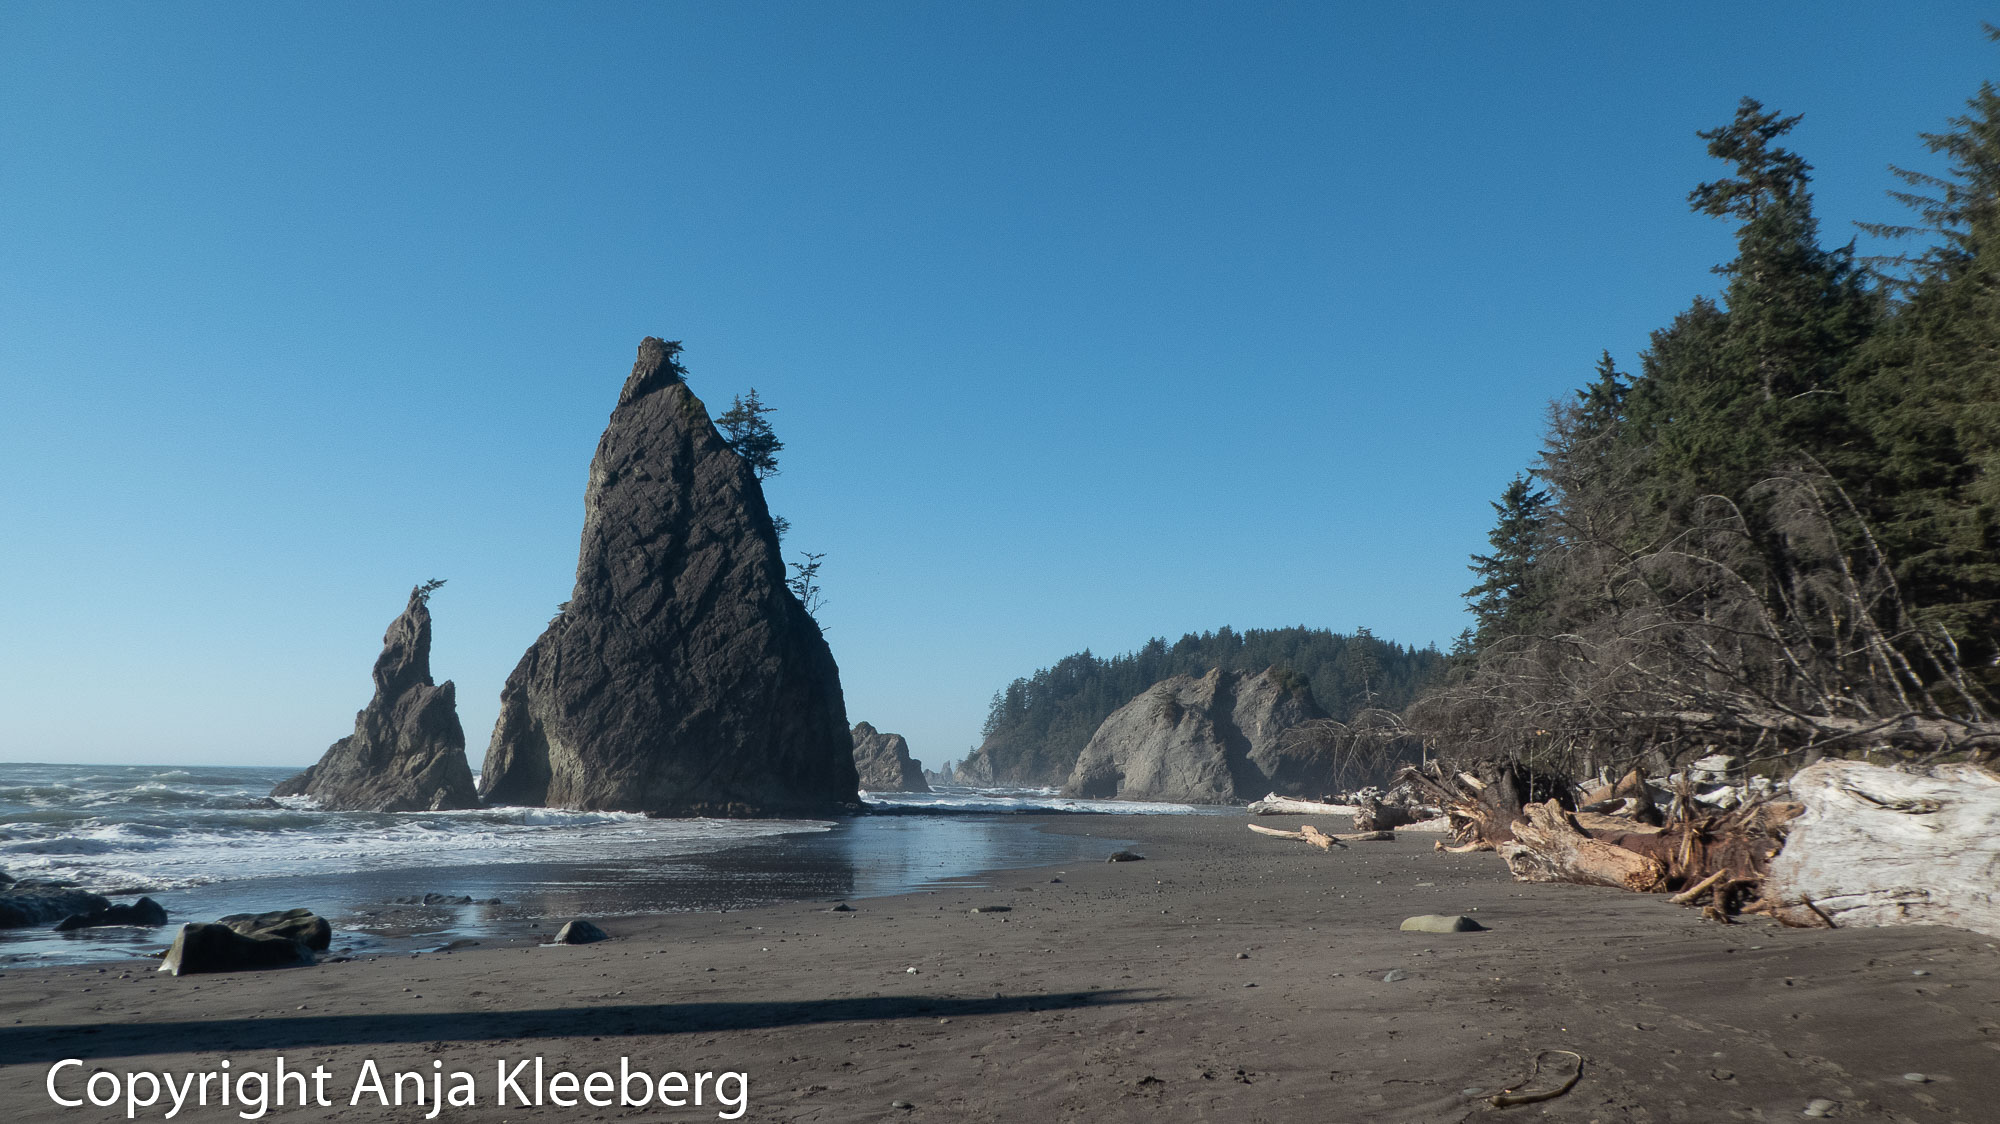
<point x="145" y="911"/>
<point x="1441" y="923"/>
<point x="883" y="760"/>
<point x="302" y="925"/>
<point x="33" y="903"/>
<point x="1218" y="739"/>
<point x="581" y="932"/>
<point x="219" y="948"/>
<point x="682" y="677"/>
<point x="407" y="751"/>
<point x="1126" y="857"/>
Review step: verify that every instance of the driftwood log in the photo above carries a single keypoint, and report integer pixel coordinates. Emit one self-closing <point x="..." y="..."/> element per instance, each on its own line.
<point x="1484" y="798"/>
<point x="1877" y="846"/>
<point x="1275" y="805"/>
<point x="1320" y="839"/>
<point x="1549" y="846"/>
<point x="1718" y="858"/>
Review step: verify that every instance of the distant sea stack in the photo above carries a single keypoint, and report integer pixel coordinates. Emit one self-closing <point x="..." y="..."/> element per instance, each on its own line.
<point x="1218" y="739"/>
<point x="682" y="677"/>
<point x="407" y="751"/>
<point x="883" y="760"/>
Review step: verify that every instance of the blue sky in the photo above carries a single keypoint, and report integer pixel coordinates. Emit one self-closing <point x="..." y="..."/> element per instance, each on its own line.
<point x="1084" y="322"/>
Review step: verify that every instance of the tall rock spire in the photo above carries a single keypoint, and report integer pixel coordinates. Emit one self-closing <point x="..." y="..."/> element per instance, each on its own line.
<point x="407" y="751"/>
<point x="682" y="677"/>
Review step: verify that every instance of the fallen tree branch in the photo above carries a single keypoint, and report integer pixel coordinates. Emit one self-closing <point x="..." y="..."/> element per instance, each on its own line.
<point x="1687" y="896"/>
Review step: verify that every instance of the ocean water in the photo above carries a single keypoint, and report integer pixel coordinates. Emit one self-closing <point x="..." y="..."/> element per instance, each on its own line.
<point x="204" y="842"/>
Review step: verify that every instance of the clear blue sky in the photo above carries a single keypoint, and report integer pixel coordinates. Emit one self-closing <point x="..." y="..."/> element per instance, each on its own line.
<point x="1084" y="322"/>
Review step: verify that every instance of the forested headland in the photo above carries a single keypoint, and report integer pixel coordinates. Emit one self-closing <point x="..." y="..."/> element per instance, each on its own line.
<point x="1778" y="536"/>
<point x="1038" y="725"/>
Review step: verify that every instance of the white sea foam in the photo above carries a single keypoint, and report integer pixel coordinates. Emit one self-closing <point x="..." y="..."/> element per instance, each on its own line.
<point x="131" y="827"/>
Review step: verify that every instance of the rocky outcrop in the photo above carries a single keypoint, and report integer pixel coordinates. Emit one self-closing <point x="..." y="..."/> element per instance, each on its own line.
<point x="145" y="911"/>
<point x="407" y="751"/>
<point x="301" y="925"/>
<point x="1218" y="739"/>
<point x="219" y="948"/>
<point x="883" y="760"/>
<point x="37" y="903"/>
<point x="682" y="677"/>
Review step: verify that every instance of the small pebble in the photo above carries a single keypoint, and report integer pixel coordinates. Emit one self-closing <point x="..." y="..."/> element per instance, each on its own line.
<point x="911" y="971"/>
<point x="1242" y="956"/>
<point x="1920" y="972"/>
<point x="1916" y="1077"/>
<point x="901" y="1104"/>
<point x="1395" y="975"/>
<point x="1820" y="1106"/>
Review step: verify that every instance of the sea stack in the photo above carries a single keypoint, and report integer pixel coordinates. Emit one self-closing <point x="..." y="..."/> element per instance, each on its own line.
<point x="407" y="751"/>
<point x="682" y="677"/>
<point x="1218" y="739"/>
<point x="883" y="760"/>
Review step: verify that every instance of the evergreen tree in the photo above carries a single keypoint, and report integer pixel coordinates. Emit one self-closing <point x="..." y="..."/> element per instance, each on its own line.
<point x="1504" y="602"/>
<point x="1731" y="395"/>
<point x="745" y="430"/>
<point x="1932" y="403"/>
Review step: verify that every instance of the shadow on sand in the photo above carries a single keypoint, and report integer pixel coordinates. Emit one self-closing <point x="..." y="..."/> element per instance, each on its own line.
<point x="20" y="1045"/>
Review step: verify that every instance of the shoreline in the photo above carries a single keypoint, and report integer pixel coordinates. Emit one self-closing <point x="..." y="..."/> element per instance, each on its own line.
<point x="1228" y="976"/>
<point x="384" y="911"/>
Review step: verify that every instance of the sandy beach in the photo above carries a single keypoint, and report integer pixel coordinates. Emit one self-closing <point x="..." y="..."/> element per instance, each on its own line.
<point x="1229" y="977"/>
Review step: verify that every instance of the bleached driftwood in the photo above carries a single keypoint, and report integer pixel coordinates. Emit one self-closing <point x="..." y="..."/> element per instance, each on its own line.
<point x="1877" y="846"/>
<point x="1275" y="805"/>
<point x="1320" y="839"/>
<point x="1549" y="847"/>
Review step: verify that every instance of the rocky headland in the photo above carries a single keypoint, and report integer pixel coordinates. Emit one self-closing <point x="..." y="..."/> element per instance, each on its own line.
<point x="1217" y="739"/>
<point x="682" y="677"/>
<point x="407" y="751"/>
<point x="883" y="760"/>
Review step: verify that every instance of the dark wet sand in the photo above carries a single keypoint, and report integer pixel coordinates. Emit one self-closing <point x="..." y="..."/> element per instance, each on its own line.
<point x="1116" y="993"/>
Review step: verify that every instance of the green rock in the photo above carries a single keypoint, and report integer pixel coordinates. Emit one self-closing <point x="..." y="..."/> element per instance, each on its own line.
<point x="1441" y="923"/>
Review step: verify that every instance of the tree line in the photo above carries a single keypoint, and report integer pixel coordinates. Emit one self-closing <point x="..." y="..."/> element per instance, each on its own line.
<point x="1781" y="534"/>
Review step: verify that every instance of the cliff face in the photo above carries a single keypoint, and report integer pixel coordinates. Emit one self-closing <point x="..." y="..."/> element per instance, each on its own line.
<point x="682" y="677"/>
<point x="1218" y="739"/>
<point x="883" y="760"/>
<point x="407" y="751"/>
<point x="1015" y="762"/>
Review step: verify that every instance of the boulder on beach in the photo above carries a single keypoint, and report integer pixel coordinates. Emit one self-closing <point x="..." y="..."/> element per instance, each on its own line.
<point x="682" y="677"/>
<point x="1217" y="739"/>
<point x="35" y="903"/>
<point x="219" y="948"/>
<point x="1441" y="923"/>
<point x="407" y="751"/>
<point x="302" y="925"/>
<point x="883" y="760"/>
<point x="580" y="931"/>
<point x="145" y="912"/>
